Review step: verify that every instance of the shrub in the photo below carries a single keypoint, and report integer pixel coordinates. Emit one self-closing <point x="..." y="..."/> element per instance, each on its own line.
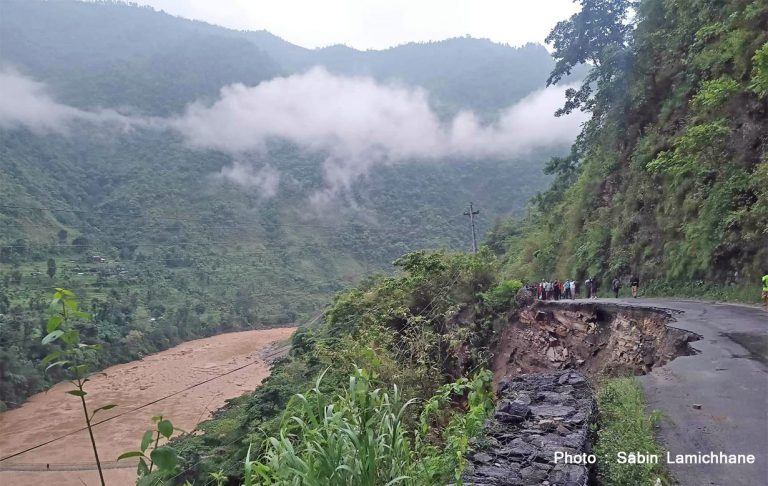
<point x="502" y="295"/>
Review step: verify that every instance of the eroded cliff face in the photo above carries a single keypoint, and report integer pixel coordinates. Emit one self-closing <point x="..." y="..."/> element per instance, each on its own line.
<point x="543" y="361"/>
<point x="594" y="338"/>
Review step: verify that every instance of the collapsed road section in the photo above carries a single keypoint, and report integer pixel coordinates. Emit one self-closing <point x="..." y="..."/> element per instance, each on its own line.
<point x="595" y="338"/>
<point x="542" y="361"/>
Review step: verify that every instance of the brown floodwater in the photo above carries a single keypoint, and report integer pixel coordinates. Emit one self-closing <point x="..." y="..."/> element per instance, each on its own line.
<point x="69" y="461"/>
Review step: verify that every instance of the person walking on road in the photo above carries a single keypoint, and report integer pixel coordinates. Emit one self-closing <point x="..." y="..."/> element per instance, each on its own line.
<point x="588" y="286"/>
<point x="635" y="283"/>
<point x="616" y="286"/>
<point x="765" y="289"/>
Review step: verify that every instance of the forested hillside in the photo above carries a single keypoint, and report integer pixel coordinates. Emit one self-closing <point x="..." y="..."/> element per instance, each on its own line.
<point x="165" y="241"/>
<point x="668" y="179"/>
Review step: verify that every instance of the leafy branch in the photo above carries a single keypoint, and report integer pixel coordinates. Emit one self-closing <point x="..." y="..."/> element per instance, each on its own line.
<point x="74" y="356"/>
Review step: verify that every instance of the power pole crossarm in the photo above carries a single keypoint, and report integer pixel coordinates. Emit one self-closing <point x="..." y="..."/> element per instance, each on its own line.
<point x="472" y="213"/>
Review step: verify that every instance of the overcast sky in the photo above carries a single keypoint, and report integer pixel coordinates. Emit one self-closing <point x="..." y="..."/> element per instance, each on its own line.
<point x="378" y="24"/>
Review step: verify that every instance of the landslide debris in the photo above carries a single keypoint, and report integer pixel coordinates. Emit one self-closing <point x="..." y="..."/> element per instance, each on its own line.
<point x="542" y="361"/>
<point x="595" y="338"/>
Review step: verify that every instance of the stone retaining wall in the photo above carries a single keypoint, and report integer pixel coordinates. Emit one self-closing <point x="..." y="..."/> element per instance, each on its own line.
<point x="537" y="416"/>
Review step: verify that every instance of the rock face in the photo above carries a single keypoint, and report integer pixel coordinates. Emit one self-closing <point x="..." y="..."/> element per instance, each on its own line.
<point x="537" y="415"/>
<point x="595" y="338"/>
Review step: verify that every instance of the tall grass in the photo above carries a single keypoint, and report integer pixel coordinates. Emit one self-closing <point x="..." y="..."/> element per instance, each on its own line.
<point x="361" y="437"/>
<point x="625" y="427"/>
<point x="358" y="438"/>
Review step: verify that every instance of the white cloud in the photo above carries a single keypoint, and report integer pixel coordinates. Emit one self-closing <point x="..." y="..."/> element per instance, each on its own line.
<point x="25" y="102"/>
<point x="358" y="123"/>
<point x="265" y="180"/>
<point x="355" y="123"/>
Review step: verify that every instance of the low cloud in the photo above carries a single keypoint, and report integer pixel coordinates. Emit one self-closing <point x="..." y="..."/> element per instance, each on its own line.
<point x="27" y="103"/>
<point x="354" y="122"/>
<point x="357" y="123"/>
<point x="265" y="180"/>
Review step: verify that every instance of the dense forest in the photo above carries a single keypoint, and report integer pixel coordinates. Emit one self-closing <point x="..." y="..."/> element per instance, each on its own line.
<point x="668" y="178"/>
<point x="158" y="243"/>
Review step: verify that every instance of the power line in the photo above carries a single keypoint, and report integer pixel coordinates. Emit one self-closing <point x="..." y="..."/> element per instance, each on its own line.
<point x="176" y="218"/>
<point x="68" y="434"/>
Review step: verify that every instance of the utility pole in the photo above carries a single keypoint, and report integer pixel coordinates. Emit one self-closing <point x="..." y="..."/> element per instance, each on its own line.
<point x="471" y="215"/>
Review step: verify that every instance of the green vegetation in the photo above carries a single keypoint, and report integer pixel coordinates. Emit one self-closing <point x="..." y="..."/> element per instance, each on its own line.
<point x="625" y="427"/>
<point x="426" y="331"/>
<point x="363" y="436"/>
<point x="668" y="178"/>
<point x="163" y="457"/>
<point x="159" y="248"/>
<point x="358" y="438"/>
<point x="73" y="357"/>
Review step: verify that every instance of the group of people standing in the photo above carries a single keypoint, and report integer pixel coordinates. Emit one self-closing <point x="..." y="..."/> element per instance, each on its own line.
<point x="556" y="290"/>
<point x="569" y="289"/>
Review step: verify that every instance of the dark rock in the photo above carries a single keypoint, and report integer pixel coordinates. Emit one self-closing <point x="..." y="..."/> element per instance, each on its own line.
<point x="575" y="380"/>
<point x="512" y="411"/>
<point x="520" y="448"/>
<point x="568" y="474"/>
<point x="523" y="399"/>
<point x="499" y="472"/>
<point x="577" y="418"/>
<point x="483" y="457"/>
<point x="537" y="416"/>
<point x="532" y="474"/>
<point x="552" y="410"/>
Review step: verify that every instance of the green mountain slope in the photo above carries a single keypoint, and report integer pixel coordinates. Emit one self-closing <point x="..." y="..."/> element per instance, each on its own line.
<point x="668" y="179"/>
<point x="159" y="247"/>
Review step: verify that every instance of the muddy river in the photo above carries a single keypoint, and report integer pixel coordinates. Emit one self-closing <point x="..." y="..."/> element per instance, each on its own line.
<point x="69" y="460"/>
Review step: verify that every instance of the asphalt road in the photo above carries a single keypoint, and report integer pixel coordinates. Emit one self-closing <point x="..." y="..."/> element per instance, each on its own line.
<point x="728" y="379"/>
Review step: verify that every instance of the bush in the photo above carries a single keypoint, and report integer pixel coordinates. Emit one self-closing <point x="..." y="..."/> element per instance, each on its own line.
<point x="501" y="297"/>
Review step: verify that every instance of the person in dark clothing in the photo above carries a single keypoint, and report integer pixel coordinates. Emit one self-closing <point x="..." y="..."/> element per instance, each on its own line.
<point x="616" y="286"/>
<point x="556" y="289"/>
<point x="635" y="284"/>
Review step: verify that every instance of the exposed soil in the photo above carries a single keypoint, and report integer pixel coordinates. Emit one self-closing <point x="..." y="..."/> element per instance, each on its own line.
<point x="541" y="363"/>
<point x="48" y="415"/>
<point x="590" y="337"/>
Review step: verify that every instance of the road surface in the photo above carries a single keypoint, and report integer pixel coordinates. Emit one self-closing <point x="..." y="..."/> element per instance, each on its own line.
<point x="728" y="379"/>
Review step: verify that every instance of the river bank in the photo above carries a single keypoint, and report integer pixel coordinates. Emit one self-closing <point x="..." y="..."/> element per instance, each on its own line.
<point x="234" y="363"/>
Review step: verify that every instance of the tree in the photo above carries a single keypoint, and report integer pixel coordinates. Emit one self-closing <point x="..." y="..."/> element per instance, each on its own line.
<point x="597" y="35"/>
<point x="81" y="244"/>
<point x="51" y="267"/>
<point x="63" y="234"/>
